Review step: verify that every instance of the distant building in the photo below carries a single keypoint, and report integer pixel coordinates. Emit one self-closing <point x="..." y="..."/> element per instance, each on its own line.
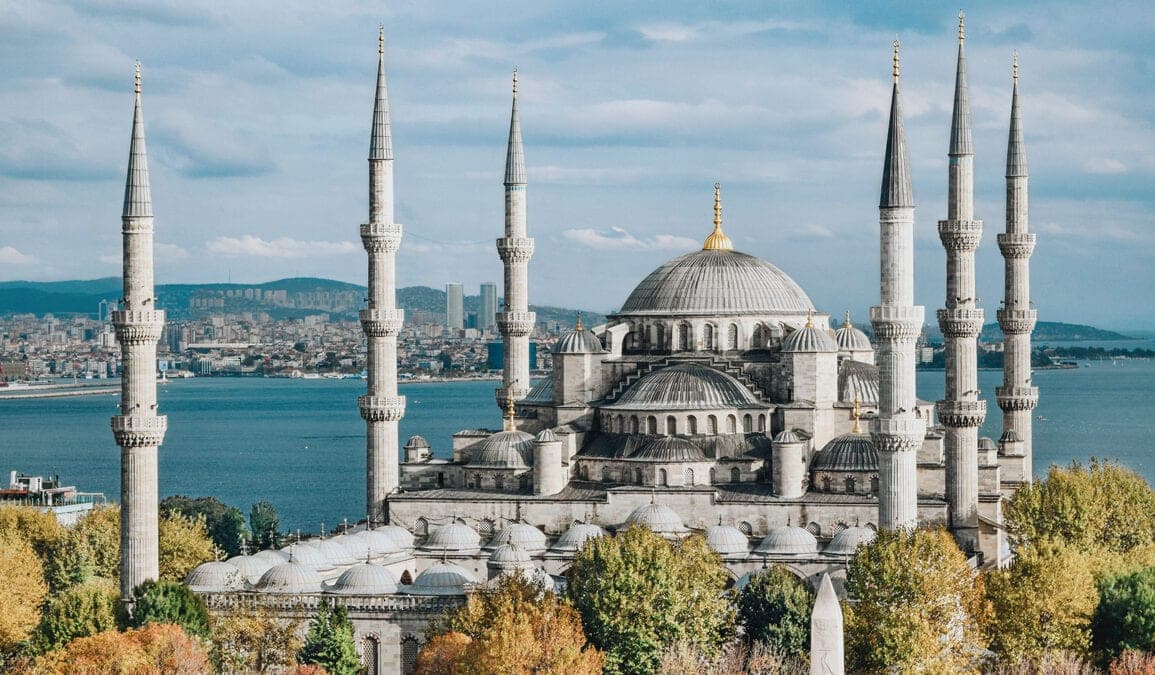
<point x="487" y="320"/>
<point x="495" y="354"/>
<point x="454" y="307"/>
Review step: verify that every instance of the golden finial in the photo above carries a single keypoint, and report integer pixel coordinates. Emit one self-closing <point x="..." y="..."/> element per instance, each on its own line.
<point x="857" y="412"/>
<point x="810" y="318"/>
<point x="847" y="323"/>
<point x="718" y="241"/>
<point x="896" y="60"/>
<point x="137" y="88"/>
<point x="1015" y="66"/>
<point x="510" y="411"/>
<point x="578" y="326"/>
<point x="962" y="26"/>
<point x="381" y="39"/>
<point x="515" y="80"/>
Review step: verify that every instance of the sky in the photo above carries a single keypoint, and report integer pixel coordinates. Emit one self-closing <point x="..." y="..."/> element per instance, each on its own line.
<point x="258" y="117"/>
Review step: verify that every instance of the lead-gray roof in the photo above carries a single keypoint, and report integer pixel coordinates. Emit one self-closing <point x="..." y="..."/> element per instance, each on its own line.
<point x="137" y="193"/>
<point x="686" y="386"/>
<point x="896" y="185"/>
<point x="858" y="381"/>
<point x="716" y="282"/>
<point x="809" y="339"/>
<point x="1016" y="148"/>
<point x="849" y="452"/>
<point x="578" y="342"/>
<point x="504" y="450"/>
<point x="669" y="449"/>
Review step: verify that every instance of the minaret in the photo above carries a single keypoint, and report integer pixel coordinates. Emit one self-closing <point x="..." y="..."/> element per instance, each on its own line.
<point x="515" y="249"/>
<point x="381" y="407"/>
<point x="961" y="411"/>
<point x="897" y="321"/>
<point x="138" y="430"/>
<point x="1017" y="397"/>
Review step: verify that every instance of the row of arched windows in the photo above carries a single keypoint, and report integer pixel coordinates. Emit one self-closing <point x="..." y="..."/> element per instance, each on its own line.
<point x="636" y="476"/>
<point x="683" y="337"/>
<point x="633" y="424"/>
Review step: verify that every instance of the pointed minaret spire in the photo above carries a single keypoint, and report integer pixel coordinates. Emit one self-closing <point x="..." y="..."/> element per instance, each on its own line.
<point x="1016" y="149"/>
<point x="515" y="155"/>
<point x="137" y="193"/>
<point x="896" y="187"/>
<point x="960" y="127"/>
<point x="381" y="142"/>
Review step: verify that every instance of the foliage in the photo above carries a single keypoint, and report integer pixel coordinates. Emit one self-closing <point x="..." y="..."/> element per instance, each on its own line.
<point x="1132" y="662"/>
<point x="443" y="654"/>
<point x="738" y="657"/>
<point x="920" y="605"/>
<point x="97" y="535"/>
<point x="82" y="610"/>
<point x="24" y="589"/>
<point x="39" y="528"/>
<point x="183" y="544"/>
<point x="1125" y="617"/>
<point x="1043" y="602"/>
<point x="638" y="593"/>
<point x="158" y="648"/>
<point x="1056" y="662"/>
<point x="775" y="609"/>
<point x="253" y="640"/>
<point x="168" y="602"/>
<point x="225" y="524"/>
<point x="329" y="642"/>
<point x="514" y="627"/>
<point x="265" y="523"/>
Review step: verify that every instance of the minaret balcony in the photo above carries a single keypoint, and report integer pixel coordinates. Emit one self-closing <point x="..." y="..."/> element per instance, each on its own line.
<point x="381" y="408"/>
<point x="1017" y="398"/>
<point x="382" y="322"/>
<point x="898" y="434"/>
<point x="381" y="237"/>
<point x="957" y="414"/>
<point x="516" y="323"/>
<point x="960" y="322"/>
<point x="1016" y="245"/>
<point x="515" y="249"/>
<point x="139" y="431"/>
<point x="897" y="323"/>
<point x="960" y="235"/>
<point x="1017" y="321"/>
<point x="138" y="326"/>
<point x="136" y="225"/>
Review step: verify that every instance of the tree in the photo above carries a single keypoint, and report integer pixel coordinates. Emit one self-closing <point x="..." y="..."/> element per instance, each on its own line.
<point x="225" y="524"/>
<point x="775" y="609"/>
<point x="329" y="642"/>
<point x="245" y="639"/>
<point x="39" y="528"/>
<point x="265" y="523"/>
<point x="1125" y="617"/>
<point x="638" y="593"/>
<point x="24" y="590"/>
<point x="514" y="627"/>
<point x="920" y="605"/>
<point x="80" y="611"/>
<point x="98" y="536"/>
<point x="183" y="544"/>
<point x="1043" y="602"/>
<point x="168" y="602"/>
<point x="158" y="648"/>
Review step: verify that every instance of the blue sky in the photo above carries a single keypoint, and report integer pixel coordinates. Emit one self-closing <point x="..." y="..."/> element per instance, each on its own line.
<point x="257" y="117"/>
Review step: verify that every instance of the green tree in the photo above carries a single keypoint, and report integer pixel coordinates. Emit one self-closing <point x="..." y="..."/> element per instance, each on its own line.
<point x="265" y="523"/>
<point x="1043" y="602"/>
<point x="82" y="610"/>
<point x="775" y="609"/>
<point x="638" y="593"/>
<point x="247" y="639"/>
<point x="329" y="642"/>
<point x="183" y="544"/>
<point x="24" y="590"/>
<point x="1125" y="617"/>
<point x="225" y="524"/>
<point x="921" y="608"/>
<point x="167" y="602"/>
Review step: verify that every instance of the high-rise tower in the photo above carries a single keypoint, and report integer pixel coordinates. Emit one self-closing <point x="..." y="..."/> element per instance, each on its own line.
<point x="488" y="318"/>
<point x="961" y="411"/>
<point x="454" y="306"/>
<point x="138" y="429"/>
<point x="515" y="249"/>
<point x="897" y="431"/>
<point x="381" y="407"/>
<point x="1017" y="397"/>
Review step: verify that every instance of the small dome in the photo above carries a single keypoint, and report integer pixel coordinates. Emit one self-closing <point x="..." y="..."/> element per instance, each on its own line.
<point x="510" y="556"/>
<point x="527" y="537"/>
<point x="578" y="341"/>
<point x="660" y="519"/>
<point x="787" y="436"/>
<point x="377" y="542"/>
<point x="686" y="386"/>
<point x="857" y="380"/>
<point x="453" y="537"/>
<point x="546" y="436"/>
<point x="669" y="449"/>
<point x="1010" y="436"/>
<point x="364" y="579"/>
<point x="576" y="537"/>
<point x="848" y="452"/>
<point x="787" y="540"/>
<point x="290" y="577"/>
<point x="336" y="553"/>
<point x="987" y="444"/>
<point x="252" y="566"/>
<point x="727" y="540"/>
<point x="272" y="556"/>
<point x="215" y="577"/>
<point x="504" y="450"/>
<point x="847" y="541"/>
<point x="415" y="442"/>
<point x="307" y="554"/>
<point x="850" y="339"/>
<point x="442" y="579"/>
<point x="809" y="339"/>
<point x="400" y="536"/>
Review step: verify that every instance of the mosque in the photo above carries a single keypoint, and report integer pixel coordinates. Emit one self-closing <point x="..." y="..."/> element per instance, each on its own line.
<point x="717" y="400"/>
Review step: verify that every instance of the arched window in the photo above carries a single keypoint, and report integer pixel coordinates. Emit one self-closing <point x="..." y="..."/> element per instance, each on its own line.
<point x="662" y="477"/>
<point x="712" y="425"/>
<point x="732" y="336"/>
<point x="758" y="340"/>
<point x="477" y="481"/>
<point x="606" y="474"/>
<point x="421" y="527"/>
<point x="731" y="424"/>
<point x="745" y="528"/>
<point x="406" y="578"/>
<point x="692" y="425"/>
<point x="409" y="649"/>
<point x="826" y="484"/>
<point x="440" y="479"/>
<point x="735" y="475"/>
<point x="874" y="484"/>
<point x="686" y="338"/>
<point x="485" y="528"/>
<point x="524" y="482"/>
<point x="748" y="423"/>
<point x="762" y="423"/>
<point x="634" y="424"/>
<point x="814" y="529"/>
<point x="585" y="471"/>
<point x="708" y="336"/>
<point x="713" y="476"/>
<point x="849" y="486"/>
<point x="370" y="646"/>
<point x="499" y="482"/>
<point x="660" y="343"/>
<point x="671" y="426"/>
<point x="638" y="476"/>
<point x="652" y="425"/>
<point x="688" y="477"/>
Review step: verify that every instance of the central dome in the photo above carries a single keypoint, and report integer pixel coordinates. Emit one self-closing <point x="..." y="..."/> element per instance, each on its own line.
<point x="686" y="386"/>
<point x="717" y="282"/>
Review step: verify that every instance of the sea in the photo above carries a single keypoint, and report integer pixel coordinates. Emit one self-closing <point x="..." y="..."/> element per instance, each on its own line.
<point x="300" y="444"/>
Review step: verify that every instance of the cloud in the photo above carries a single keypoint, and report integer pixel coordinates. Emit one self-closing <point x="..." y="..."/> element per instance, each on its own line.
<point x="249" y="245"/>
<point x="618" y="238"/>
<point x="169" y="252"/>
<point x="685" y="32"/>
<point x="10" y="256"/>
<point x="810" y="231"/>
<point x="1105" y="166"/>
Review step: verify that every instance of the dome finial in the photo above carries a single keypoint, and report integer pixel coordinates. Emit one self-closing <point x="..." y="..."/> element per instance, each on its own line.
<point x="510" y="411"/>
<point x="515" y="80"/>
<point x="847" y="323"/>
<point x="1015" y="66"/>
<point x="578" y="326"/>
<point x="718" y="241"/>
<point x="137" y="78"/>
<point x="962" y="26"/>
<point x="809" y="318"/>
<point x="896" y="60"/>
<point x="857" y="412"/>
<point x="381" y="39"/>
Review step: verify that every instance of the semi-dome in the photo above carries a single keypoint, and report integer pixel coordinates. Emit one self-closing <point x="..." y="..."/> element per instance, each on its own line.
<point x="364" y="579"/>
<point x="686" y="386"/>
<point x="787" y="436"/>
<point x="307" y="554"/>
<point x="400" y="536"/>
<point x="576" y="537"/>
<point x="847" y="541"/>
<point x="252" y="566"/>
<point x="527" y="537"/>
<point x="787" y="540"/>
<point x="377" y="543"/>
<point x="215" y="577"/>
<point x="727" y="540"/>
<point x="290" y="577"/>
<point x="442" y="579"/>
<point x="848" y="452"/>
<point x="504" y="450"/>
<point x="716" y="282"/>
<point x="669" y="449"/>
<point x="809" y="339"/>
<point x="657" y="518"/>
<point x="453" y="537"/>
